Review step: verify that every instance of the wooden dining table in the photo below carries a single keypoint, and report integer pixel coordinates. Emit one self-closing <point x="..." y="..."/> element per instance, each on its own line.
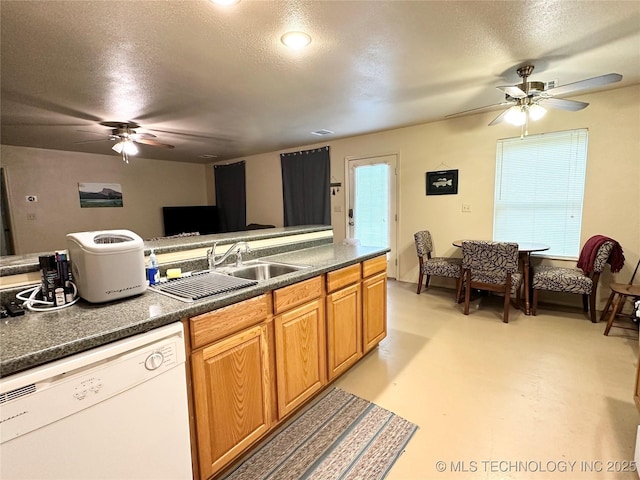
<point x="525" y="249"/>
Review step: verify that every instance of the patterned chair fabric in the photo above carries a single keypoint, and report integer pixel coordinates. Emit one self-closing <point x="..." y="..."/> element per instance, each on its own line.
<point x="560" y="279"/>
<point x="490" y="262"/>
<point x="571" y="280"/>
<point x="438" y="266"/>
<point x="491" y="266"/>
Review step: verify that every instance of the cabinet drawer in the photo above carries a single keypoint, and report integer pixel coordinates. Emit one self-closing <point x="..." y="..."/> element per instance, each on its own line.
<point x="374" y="265"/>
<point x="294" y="295"/>
<point x="212" y="326"/>
<point x="343" y="277"/>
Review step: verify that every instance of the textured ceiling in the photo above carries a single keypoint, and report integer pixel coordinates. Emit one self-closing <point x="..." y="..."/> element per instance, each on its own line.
<point x="216" y="80"/>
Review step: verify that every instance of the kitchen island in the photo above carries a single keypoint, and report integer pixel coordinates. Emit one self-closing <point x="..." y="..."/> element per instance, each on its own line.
<point x="275" y="344"/>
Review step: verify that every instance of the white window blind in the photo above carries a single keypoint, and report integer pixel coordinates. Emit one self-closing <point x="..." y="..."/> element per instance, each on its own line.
<point x="539" y="190"/>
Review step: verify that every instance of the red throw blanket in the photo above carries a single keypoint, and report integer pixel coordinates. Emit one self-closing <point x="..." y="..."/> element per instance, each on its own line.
<point x="590" y="250"/>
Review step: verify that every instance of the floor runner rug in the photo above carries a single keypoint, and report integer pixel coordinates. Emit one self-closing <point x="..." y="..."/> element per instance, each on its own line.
<point x="342" y="436"/>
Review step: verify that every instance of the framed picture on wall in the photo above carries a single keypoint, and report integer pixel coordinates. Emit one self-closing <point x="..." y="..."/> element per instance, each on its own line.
<point x="94" y="195"/>
<point x="443" y="182"/>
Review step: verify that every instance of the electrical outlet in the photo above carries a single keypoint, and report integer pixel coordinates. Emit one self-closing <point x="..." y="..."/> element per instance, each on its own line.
<point x="466" y="207"/>
<point x="337" y="209"/>
<point x="31" y="216"/>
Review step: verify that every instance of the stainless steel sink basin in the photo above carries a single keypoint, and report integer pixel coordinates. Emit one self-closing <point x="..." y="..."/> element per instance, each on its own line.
<point x="260" y="270"/>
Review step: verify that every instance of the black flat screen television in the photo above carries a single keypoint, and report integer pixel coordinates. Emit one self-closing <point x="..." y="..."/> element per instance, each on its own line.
<point x="200" y="218"/>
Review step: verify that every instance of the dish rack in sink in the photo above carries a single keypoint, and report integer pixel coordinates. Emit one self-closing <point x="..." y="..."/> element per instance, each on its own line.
<point x="201" y="285"/>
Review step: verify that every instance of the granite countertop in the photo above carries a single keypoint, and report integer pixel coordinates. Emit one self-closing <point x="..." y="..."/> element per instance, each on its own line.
<point x="16" y="264"/>
<point x="37" y="338"/>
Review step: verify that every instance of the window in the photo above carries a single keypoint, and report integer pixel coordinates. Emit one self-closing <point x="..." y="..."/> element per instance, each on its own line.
<point x="372" y="204"/>
<point x="539" y="190"/>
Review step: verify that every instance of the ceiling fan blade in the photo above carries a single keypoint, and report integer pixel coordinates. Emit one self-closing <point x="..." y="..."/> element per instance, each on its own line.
<point x="192" y="135"/>
<point x="502" y="104"/>
<point x="91" y="141"/>
<point x="563" y="104"/>
<point x="499" y="118"/>
<point x="153" y="143"/>
<point x="136" y="136"/>
<point x="584" y="84"/>
<point x="512" y="91"/>
<point x="89" y="131"/>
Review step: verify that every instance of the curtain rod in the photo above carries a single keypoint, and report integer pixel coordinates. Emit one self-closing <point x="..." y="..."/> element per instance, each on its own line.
<point x="306" y="152"/>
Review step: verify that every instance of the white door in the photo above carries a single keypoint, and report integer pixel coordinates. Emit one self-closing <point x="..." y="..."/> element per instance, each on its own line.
<point x="371" y="214"/>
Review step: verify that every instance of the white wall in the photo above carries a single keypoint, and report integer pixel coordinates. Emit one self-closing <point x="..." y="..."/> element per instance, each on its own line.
<point x="53" y="176"/>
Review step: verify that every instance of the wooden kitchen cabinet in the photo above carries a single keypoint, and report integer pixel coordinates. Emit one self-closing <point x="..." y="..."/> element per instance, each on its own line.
<point x="374" y="302"/>
<point x="231" y="382"/>
<point x="344" y="320"/>
<point x="300" y="344"/>
<point x="256" y="362"/>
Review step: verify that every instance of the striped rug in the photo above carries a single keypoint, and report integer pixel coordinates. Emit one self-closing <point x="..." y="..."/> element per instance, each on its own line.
<point x="341" y="437"/>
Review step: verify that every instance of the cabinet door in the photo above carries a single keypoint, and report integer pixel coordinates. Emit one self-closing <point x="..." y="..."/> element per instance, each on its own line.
<point x="232" y="397"/>
<point x="300" y="354"/>
<point x="374" y="310"/>
<point x="344" y="329"/>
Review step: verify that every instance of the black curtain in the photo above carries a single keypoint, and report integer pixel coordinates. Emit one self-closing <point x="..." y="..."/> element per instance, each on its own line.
<point x="231" y="197"/>
<point x="305" y="187"/>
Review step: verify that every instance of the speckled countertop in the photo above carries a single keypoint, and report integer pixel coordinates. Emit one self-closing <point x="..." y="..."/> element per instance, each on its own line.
<point x="16" y="264"/>
<point x="37" y="338"/>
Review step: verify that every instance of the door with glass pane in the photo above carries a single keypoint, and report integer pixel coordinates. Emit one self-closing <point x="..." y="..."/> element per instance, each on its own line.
<point x="372" y="216"/>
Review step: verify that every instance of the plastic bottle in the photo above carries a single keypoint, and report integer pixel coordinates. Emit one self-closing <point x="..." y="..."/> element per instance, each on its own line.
<point x="153" y="273"/>
<point x="153" y="261"/>
<point x="50" y="277"/>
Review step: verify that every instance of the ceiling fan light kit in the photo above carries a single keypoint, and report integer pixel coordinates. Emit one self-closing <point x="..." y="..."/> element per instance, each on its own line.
<point x="126" y="138"/>
<point x="536" y="112"/>
<point x="515" y="116"/>
<point x="518" y="114"/>
<point x="126" y="146"/>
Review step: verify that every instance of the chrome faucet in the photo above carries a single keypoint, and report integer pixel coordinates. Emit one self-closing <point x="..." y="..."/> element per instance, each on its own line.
<point x="235" y="248"/>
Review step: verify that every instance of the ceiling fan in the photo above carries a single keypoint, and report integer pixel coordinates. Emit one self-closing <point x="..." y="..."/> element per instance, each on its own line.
<point x="126" y="137"/>
<point x="526" y="99"/>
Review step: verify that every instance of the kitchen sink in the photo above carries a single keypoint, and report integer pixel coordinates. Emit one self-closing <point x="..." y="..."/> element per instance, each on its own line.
<point x="260" y="270"/>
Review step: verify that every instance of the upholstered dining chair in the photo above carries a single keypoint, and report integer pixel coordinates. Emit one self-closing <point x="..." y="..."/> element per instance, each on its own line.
<point x="438" y="266"/>
<point x="491" y="266"/>
<point x="582" y="280"/>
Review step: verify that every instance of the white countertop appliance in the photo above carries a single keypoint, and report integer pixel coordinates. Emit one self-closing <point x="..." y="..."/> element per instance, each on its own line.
<point x="107" y="265"/>
<point x="115" y="412"/>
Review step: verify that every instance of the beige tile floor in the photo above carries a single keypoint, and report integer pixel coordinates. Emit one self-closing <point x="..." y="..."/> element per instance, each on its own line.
<point x="546" y="397"/>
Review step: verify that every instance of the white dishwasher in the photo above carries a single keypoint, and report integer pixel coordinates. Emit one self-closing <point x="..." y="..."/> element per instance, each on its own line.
<point x="115" y="412"/>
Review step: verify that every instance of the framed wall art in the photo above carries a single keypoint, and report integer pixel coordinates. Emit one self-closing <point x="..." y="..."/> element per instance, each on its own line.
<point x="443" y="182"/>
<point x="100" y="195"/>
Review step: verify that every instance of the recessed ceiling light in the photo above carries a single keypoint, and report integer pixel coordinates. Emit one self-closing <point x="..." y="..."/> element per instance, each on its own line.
<point x="225" y="3"/>
<point x="295" y="40"/>
<point x="322" y="132"/>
